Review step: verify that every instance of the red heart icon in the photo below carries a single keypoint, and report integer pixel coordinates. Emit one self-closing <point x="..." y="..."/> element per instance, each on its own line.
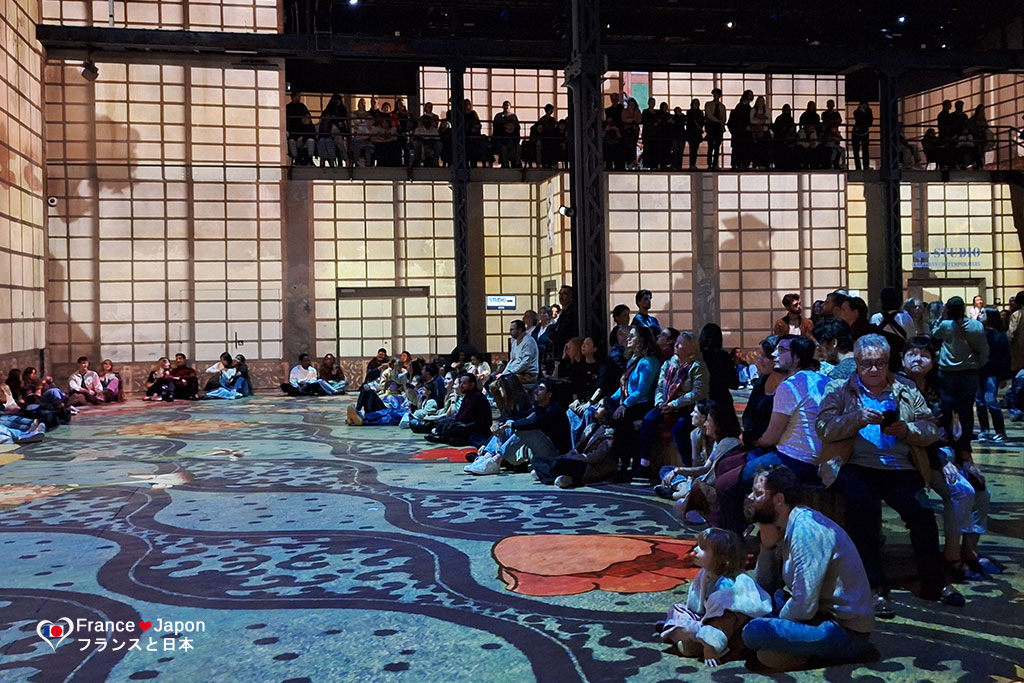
<point x="144" y="625"/>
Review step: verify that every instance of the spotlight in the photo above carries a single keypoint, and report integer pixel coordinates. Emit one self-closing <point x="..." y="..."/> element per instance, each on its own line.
<point x="89" y="70"/>
<point x="730" y="24"/>
<point x="901" y="19"/>
<point x="353" y="3"/>
<point x="566" y="211"/>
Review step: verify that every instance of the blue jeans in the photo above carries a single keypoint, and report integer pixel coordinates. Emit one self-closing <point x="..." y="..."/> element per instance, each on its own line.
<point x="987" y="398"/>
<point x="826" y="640"/>
<point x="388" y="416"/>
<point x="14" y="421"/>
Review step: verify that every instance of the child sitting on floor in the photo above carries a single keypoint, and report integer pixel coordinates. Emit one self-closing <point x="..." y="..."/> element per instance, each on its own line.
<point x="693" y="486"/>
<point x="720" y="601"/>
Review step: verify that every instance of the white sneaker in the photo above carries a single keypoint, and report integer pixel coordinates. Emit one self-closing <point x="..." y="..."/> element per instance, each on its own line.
<point x="533" y="473"/>
<point x="563" y="482"/>
<point x="484" y="465"/>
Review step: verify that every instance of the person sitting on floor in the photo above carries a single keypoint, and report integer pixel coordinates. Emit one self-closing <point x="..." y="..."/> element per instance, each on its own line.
<point x="479" y="367"/>
<point x="375" y="365"/>
<point x="305" y="381"/>
<point x="544" y="431"/>
<point x="592" y="459"/>
<point x="828" y="614"/>
<point x="508" y="449"/>
<point x="427" y="408"/>
<point x="471" y="423"/>
<point x="14" y="435"/>
<point x="113" y="390"/>
<point x="241" y="381"/>
<point x="693" y="486"/>
<point x="721" y="600"/>
<point x="84" y="385"/>
<point x="330" y="372"/>
<point x="13" y="416"/>
<point x="225" y="372"/>
<point x="160" y="383"/>
<point x="186" y="382"/>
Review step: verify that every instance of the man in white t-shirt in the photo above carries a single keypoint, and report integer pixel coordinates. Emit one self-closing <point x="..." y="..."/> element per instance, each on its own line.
<point x="792" y="430"/>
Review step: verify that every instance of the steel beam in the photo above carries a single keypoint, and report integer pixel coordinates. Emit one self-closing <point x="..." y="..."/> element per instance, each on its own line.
<point x="586" y="177"/>
<point x="460" y="206"/>
<point x="890" y="176"/>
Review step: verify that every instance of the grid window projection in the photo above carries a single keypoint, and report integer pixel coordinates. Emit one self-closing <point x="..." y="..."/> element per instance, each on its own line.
<point x="22" y="241"/>
<point x="651" y="244"/>
<point x="678" y="88"/>
<point x="511" y="266"/>
<point x="968" y="231"/>
<point x="249" y="16"/>
<point x="165" y="236"/>
<point x="777" y="234"/>
<point x="383" y="234"/>
<point x="555" y="238"/>
<point x="528" y="90"/>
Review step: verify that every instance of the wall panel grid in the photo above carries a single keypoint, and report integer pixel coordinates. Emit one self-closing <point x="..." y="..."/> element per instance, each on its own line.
<point x="678" y="88"/>
<point x="1001" y="94"/>
<point x="383" y="234"/>
<point x="22" y="247"/>
<point x="528" y="90"/>
<point x="965" y="230"/>
<point x="249" y="16"/>
<point x="777" y="234"/>
<point x="511" y="248"/>
<point x="651" y="243"/>
<point x="555" y="238"/>
<point x="156" y="245"/>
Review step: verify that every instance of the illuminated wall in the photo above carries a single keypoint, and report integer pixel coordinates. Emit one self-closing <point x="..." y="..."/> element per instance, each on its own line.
<point x="248" y="16"/>
<point x="650" y="244"/>
<point x="22" y="255"/>
<point x="527" y="89"/>
<point x="965" y="230"/>
<point x="383" y="234"/>
<point x="165" y="235"/>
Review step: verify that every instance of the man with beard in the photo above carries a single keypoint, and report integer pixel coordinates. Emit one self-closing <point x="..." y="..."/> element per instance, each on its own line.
<point x="828" y="615"/>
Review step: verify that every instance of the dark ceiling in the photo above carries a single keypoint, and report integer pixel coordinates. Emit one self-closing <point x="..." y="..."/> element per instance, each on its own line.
<point x="864" y="24"/>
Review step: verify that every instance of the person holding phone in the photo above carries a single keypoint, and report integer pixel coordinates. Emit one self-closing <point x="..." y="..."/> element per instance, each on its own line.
<point x="874" y="432"/>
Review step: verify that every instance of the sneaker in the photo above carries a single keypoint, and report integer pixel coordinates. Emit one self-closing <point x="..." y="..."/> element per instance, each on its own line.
<point x="480" y="466"/>
<point x="952" y="597"/>
<point x="695" y="518"/>
<point x="31" y="437"/>
<point x="883" y="607"/>
<point x="984" y="436"/>
<point x="663" y="491"/>
<point x="997" y="438"/>
<point x="472" y="456"/>
<point x="533" y="473"/>
<point x="563" y="482"/>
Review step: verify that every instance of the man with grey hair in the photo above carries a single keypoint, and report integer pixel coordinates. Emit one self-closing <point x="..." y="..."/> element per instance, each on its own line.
<point x="874" y="431"/>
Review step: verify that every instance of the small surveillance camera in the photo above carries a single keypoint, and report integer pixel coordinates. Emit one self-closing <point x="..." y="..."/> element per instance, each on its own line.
<point x="51" y="201"/>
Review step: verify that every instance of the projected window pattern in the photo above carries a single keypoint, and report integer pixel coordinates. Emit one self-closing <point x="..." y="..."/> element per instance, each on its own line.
<point x="250" y="16"/>
<point x="555" y="237"/>
<point x="968" y="231"/>
<point x="160" y="247"/>
<point x="650" y="244"/>
<point x="528" y="90"/>
<point x="383" y="234"/>
<point x="511" y="266"/>
<point x="22" y="267"/>
<point x="777" y="234"/>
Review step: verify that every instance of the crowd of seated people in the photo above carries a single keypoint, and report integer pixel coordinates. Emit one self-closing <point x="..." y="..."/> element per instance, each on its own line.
<point x="854" y="410"/>
<point x="958" y="141"/>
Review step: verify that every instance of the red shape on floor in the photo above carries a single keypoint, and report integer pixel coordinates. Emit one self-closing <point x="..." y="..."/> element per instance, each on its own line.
<point x="449" y="454"/>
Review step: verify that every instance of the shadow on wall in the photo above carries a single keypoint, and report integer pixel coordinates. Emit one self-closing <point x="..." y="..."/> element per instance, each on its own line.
<point x="748" y="239"/>
<point x="73" y="337"/>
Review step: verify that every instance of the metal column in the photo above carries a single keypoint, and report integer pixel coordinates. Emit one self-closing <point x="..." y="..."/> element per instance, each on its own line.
<point x="889" y="176"/>
<point x="586" y="187"/>
<point x="460" y="206"/>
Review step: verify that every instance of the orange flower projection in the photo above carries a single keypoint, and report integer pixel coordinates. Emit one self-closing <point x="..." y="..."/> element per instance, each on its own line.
<point x="557" y="564"/>
<point x="16" y="495"/>
<point x="449" y="454"/>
